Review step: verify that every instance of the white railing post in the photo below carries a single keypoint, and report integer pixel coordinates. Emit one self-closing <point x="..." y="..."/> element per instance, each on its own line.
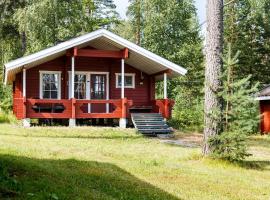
<point x="123" y="120"/>
<point x="122" y="78"/>
<point x="107" y="92"/>
<point x="72" y="76"/>
<point x="165" y="86"/>
<point x="26" y="121"/>
<point x="24" y="83"/>
<point x="72" y="120"/>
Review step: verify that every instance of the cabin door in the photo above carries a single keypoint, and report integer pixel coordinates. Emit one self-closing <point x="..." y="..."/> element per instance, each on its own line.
<point x="98" y="91"/>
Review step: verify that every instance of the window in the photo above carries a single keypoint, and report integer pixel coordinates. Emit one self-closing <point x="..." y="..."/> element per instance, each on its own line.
<point x="80" y="86"/>
<point x="129" y="80"/>
<point x="50" y="85"/>
<point x="98" y="84"/>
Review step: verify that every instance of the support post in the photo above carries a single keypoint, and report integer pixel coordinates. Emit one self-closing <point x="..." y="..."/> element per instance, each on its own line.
<point x="72" y="120"/>
<point x="24" y="83"/>
<point x="122" y="78"/>
<point x="72" y="76"/>
<point x="123" y="120"/>
<point x="165" y="96"/>
<point x="165" y="85"/>
<point x="26" y="121"/>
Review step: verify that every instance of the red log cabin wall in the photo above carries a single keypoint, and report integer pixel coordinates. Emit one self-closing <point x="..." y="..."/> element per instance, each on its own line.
<point x="265" y="118"/>
<point x="142" y="94"/>
<point x="17" y="97"/>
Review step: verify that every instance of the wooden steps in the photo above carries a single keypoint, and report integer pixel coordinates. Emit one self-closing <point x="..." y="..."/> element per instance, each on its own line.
<point x="150" y="123"/>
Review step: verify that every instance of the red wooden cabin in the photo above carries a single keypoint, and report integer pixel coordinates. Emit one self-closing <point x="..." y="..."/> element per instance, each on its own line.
<point x="97" y="75"/>
<point x="264" y="98"/>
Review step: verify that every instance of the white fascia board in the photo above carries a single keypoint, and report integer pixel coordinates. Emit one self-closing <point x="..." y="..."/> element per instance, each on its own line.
<point x="262" y="98"/>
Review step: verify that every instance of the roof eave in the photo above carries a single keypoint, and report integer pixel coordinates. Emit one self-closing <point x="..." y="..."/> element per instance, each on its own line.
<point x="262" y="98"/>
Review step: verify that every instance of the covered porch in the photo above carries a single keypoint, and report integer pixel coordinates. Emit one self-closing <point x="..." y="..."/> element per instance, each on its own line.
<point x="91" y="107"/>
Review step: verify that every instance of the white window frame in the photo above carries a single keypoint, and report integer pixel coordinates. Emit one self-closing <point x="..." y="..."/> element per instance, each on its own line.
<point x="126" y="74"/>
<point x="87" y="83"/>
<point x="41" y="83"/>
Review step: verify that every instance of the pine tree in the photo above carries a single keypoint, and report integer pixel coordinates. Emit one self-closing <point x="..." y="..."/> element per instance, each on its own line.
<point x="213" y="71"/>
<point x="247" y="29"/>
<point x="135" y="14"/>
<point x="240" y="116"/>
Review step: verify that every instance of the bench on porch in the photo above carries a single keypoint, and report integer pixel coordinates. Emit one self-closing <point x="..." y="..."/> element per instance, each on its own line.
<point x="140" y="109"/>
<point x="48" y="108"/>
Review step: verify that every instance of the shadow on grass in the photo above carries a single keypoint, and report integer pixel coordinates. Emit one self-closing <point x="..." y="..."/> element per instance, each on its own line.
<point x="259" y="142"/>
<point x="71" y="179"/>
<point x="113" y="137"/>
<point x="257" y="165"/>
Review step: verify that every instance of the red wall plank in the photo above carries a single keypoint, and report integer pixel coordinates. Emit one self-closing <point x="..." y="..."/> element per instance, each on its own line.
<point x="265" y="118"/>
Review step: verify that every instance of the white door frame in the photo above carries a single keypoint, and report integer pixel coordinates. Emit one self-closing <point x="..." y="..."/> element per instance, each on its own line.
<point x="88" y="86"/>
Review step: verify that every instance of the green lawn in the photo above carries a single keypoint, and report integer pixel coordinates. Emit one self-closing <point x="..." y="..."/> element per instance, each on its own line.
<point x="109" y="163"/>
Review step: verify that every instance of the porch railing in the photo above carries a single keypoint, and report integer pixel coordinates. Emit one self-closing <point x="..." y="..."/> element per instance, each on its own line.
<point x="73" y="108"/>
<point x="163" y="106"/>
<point x="35" y="108"/>
<point x="113" y="108"/>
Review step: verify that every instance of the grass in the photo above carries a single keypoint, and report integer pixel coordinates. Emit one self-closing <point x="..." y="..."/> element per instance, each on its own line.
<point x="7" y="118"/>
<point x="109" y="163"/>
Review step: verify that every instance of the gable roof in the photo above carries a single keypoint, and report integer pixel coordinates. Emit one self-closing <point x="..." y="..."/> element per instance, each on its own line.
<point x="264" y="94"/>
<point x="139" y="58"/>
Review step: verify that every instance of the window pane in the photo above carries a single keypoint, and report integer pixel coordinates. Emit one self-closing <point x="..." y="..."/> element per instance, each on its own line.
<point x="80" y="78"/>
<point x="46" y="86"/>
<point x="46" y="95"/>
<point x="46" y="78"/>
<point x="53" y="86"/>
<point x="80" y="86"/>
<point x="54" y="78"/>
<point x="119" y="80"/>
<point x="50" y="86"/>
<point x="128" y="80"/>
<point x="53" y="94"/>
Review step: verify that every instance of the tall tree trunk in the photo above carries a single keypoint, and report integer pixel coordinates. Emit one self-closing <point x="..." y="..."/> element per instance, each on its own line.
<point x="138" y="24"/>
<point x="214" y="46"/>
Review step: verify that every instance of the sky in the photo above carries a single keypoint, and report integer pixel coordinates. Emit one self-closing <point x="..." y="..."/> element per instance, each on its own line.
<point x="200" y="5"/>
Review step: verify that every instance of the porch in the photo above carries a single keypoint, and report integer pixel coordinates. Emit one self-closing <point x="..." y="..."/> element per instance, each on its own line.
<point x="81" y="109"/>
